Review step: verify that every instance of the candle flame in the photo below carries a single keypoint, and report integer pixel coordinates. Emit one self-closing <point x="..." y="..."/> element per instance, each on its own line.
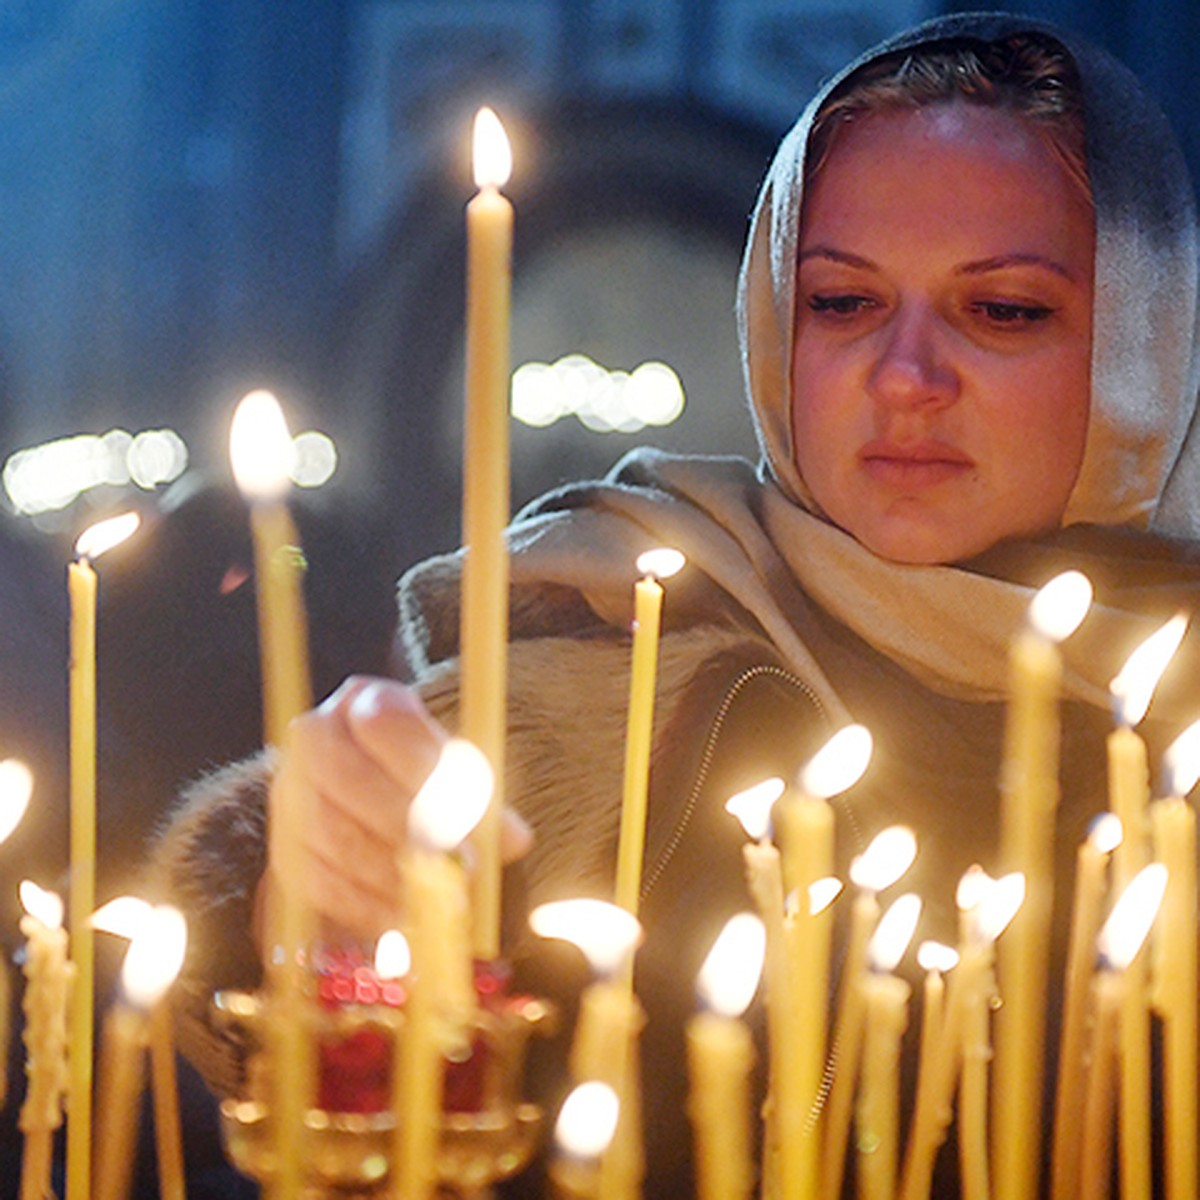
<point x="998" y="907"/>
<point x="1106" y="833"/>
<point x="752" y="807"/>
<point x="973" y="887"/>
<point x="454" y="798"/>
<point x="936" y="956"/>
<point x="393" y="959"/>
<point x="155" y="955"/>
<point x="491" y="153"/>
<point x="16" y="787"/>
<point x="893" y="933"/>
<point x="885" y="860"/>
<point x="661" y="563"/>
<point x="1132" y="916"/>
<point x="40" y="904"/>
<point x="106" y="534"/>
<point x="587" y="1120"/>
<point x="1181" y="763"/>
<point x="839" y="764"/>
<point x="261" y="450"/>
<point x="730" y="974"/>
<point x="822" y="893"/>
<point x="1061" y="605"/>
<point x="1133" y="686"/>
<point x="123" y="916"/>
<point x="606" y="933"/>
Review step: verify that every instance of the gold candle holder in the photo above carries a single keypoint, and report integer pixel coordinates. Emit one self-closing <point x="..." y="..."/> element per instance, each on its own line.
<point x="347" y="1153"/>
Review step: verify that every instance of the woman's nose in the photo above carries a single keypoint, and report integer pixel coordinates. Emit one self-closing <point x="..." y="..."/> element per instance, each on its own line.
<point x="912" y="370"/>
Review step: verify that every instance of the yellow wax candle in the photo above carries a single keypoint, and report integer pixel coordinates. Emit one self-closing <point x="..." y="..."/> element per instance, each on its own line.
<point x="1030" y="791"/>
<point x="48" y="977"/>
<point x="886" y="1002"/>
<point x="648" y="595"/>
<point x="1176" y="989"/>
<point x="937" y="1064"/>
<point x="720" y="1058"/>
<point x="122" y="1076"/>
<point x="16" y="787"/>
<point x="639" y="726"/>
<point x="884" y="861"/>
<point x="806" y="829"/>
<point x="137" y="1020"/>
<point x="261" y="455"/>
<point x="1129" y="793"/>
<point x="1096" y="1152"/>
<point x="764" y="877"/>
<point x="846" y="1046"/>
<point x="886" y="1017"/>
<point x="81" y="581"/>
<point x="976" y="1053"/>
<point x="441" y="1000"/>
<point x="605" y="1050"/>
<point x="1120" y="943"/>
<point x="1090" y="864"/>
<point x="486" y="499"/>
<point x="584" y="1130"/>
<point x="164" y="1089"/>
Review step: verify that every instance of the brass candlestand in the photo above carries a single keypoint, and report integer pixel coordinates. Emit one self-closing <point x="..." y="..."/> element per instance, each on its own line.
<point x="347" y="1152"/>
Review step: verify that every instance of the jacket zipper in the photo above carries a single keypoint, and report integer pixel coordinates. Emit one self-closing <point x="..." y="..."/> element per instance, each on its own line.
<point x="706" y="758"/>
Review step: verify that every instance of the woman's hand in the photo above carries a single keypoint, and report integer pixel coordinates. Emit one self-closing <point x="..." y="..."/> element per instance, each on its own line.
<point x="362" y="755"/>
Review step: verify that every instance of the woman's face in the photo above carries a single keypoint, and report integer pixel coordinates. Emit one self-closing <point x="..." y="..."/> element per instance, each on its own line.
<point x="940" y="376"/>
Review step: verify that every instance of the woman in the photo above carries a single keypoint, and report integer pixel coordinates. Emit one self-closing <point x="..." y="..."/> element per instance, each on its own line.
<point x="968" y="321"/>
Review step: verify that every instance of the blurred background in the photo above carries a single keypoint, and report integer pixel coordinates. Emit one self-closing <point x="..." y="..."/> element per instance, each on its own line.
<point x="202" y="197"/>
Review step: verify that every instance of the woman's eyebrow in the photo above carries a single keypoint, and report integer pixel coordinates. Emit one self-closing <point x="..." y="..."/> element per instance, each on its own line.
<point x="838" y="256"/>
<point x="1000" y="261"/>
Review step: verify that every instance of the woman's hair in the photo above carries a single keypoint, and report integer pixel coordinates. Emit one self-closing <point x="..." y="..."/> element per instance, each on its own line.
<point x="1027" y="74"/>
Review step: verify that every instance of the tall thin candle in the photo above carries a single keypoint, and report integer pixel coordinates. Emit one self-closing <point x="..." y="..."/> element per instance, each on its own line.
<point x="1029" y="801"/>
<point x="261" y="453"/>
<point x="486" y="499"/>
<point x="648" y="598"/>
<point x="81" y="584"/>
<point x="1175" y="980"/>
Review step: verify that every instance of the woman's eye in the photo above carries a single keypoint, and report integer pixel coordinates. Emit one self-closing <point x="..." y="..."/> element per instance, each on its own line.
<point x="847" y="305"/>
<point x="1010" y="313"/>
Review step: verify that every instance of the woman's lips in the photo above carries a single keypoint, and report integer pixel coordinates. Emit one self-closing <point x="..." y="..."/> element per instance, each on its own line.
<point x="921" y="465"/>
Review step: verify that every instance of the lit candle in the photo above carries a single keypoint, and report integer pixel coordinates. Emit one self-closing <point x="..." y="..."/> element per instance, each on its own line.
<point x="764" y="878"/>
<point x="882" y="864"/>
<point x="1090" y="868"/>
<point x="81" y="586"/>
<point x="886" y="1003"/>
<point x="931" y="1110"/>
<point x="261" y="453"/>
<point x="48" y="977"/>
<point x="610" y="1020"/>
<point x="720" y="1058"/>
<point x="583" y="1132"/>
<point x="1129" y="794"/>
<point x="486" y="499"/>
<point x="152" y="962"/>
<point x="441" y="993"/>
<point x="639" y="729"/>
<point x="16" y="787"/>
<point x="131" y="918"/>
<point x="1121" y="939"/>
<point x="1175" y="982"/>
<point x="805" y="822"/>
<point x="986" y="907"/>
<point x="1029" y="799"/>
